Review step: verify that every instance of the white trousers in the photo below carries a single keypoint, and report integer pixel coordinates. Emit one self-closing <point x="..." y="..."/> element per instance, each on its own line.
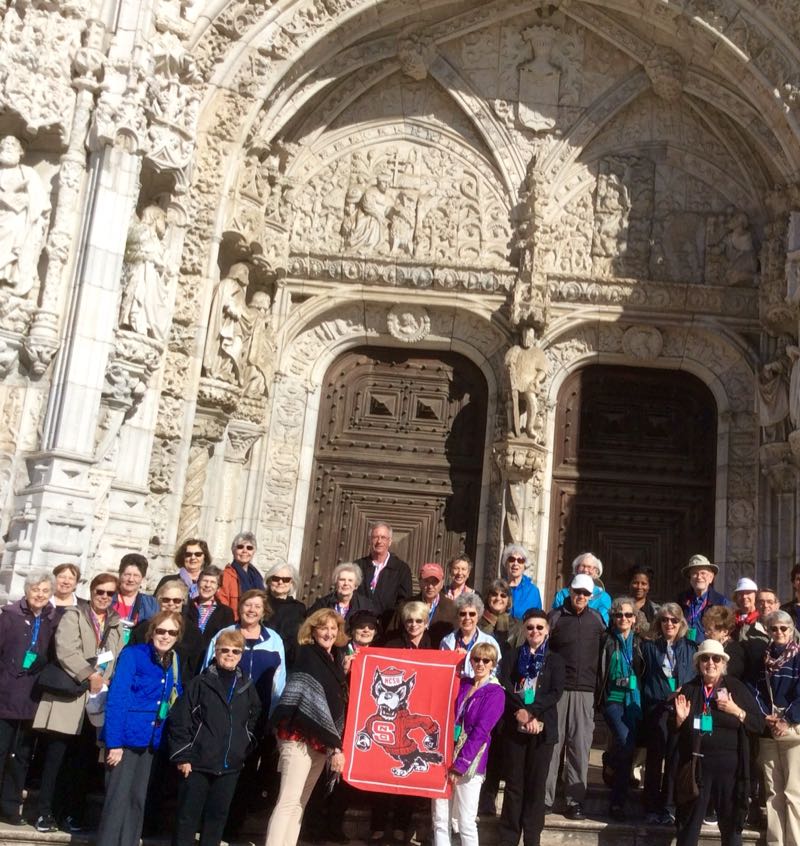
<point x="781" y="762"/>
<point x="463" y="807"/>
<point x="300" y="767"/>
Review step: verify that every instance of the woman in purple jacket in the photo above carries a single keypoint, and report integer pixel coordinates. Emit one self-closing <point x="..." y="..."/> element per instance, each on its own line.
<point x="479" y="705"/>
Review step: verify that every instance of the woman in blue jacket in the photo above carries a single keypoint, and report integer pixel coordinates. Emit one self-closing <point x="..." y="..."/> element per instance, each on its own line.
<point x="146" y="683"/>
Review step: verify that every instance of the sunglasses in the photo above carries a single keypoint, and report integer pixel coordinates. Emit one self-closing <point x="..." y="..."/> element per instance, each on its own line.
<point x="514" y="559"/>
<point x="467" y="613"/>
<point x="170" y="632"/>
<point x="284" y="580"/>
<point x="415" y="620"/>
<point x="670" y="621"/>
<point x="228" y="650"/>
<point x="194" y="554"/>
<point x="477" y="660"/>
<point x="248" y="546"/>
<point x="495" y="595"/>
<point x="715" y="658"/>
<point x="781" y="629"/>
<point x="581" y="593"/>
<point x="539" y="628"/>
<point x="176" y="599"/>
<point x="99" y="592"/>
<point x="628" y="615"/>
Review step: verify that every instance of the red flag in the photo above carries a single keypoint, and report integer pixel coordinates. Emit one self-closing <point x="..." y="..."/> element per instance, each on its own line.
<point x="400" y="721"/>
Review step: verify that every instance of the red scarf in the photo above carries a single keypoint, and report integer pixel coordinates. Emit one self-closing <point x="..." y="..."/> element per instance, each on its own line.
<point x="773" y="664"/>
<point x="746" y="619"/>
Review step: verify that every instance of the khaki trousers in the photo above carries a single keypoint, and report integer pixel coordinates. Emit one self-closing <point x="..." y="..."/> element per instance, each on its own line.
<point x="300" y="767"/>
<point x="781" y="762"/>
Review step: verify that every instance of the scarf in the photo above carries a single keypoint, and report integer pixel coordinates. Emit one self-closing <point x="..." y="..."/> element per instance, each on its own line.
<point x="529" y="664"/>
<point x="621" y="667"/>
<point x="746" y="619"/>
<point x="187" y="580"/>
<point x="249" y="579"/>
<point x="772" y="663"/>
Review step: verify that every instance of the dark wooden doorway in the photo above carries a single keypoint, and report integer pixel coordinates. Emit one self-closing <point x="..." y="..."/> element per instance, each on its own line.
<point x="400" y="438"/>
<point x="634" y="474"/>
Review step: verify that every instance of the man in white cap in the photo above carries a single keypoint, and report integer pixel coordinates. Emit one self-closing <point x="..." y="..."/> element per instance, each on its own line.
<point x="590" y="565"/>
<point x="700" y="595"/>
<point x="575" y="634"/>
<point x="744" y="600"/>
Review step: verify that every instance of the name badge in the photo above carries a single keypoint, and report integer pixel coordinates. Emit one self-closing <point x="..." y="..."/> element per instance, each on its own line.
<point x="692" y="633"/>
<point x="672" y="686"/>
<point x="163" y="710"/>
<point x="457" y="732"/>
<point x="633" y="684"/>
<point x="29" y="660"/>
<point x="703" y="723"/>
<point x="105" y="657"/>
<point x="529" y="695"/>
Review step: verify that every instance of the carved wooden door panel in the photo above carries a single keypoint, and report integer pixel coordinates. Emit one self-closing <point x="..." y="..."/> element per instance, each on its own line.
<point x="634" y="473"/>
<point x="400" y="438"/>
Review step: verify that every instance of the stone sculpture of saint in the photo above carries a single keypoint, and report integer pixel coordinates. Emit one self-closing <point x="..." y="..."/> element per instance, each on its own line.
<point x="24" y="212"/>
<point x="527" y="369"/>
<point x="229" y="323"/>
<point x="740" y="251"/>
<point x="145" y="298"/>
<point x="369" y="226"/>
<point x="260" y="360"/>
<point x="773" y="400"/>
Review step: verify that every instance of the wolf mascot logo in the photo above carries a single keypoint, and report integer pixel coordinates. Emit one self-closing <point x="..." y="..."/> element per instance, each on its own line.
<point x="392" y="725"/>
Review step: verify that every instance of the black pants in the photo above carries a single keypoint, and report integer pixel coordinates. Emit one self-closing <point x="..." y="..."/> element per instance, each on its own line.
<point x="258" y="785"/>
<point x="68" y="762"/>
<point x="16" y="746"/>
<point x="123" y="808"/>
<point x="206" y="796"/>
<point x="527" y="762"/>
<point x="659" y="789"/>
<point x="718" y="789"/>
<point x="494" y="771"/>
<point x="386" y="806"/>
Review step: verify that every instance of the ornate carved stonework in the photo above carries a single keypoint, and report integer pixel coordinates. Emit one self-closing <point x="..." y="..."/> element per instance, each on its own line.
<point x="410" y="324"/>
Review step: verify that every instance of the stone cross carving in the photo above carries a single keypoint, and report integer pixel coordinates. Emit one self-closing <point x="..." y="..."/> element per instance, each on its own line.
<point x="24" y="212"/>
<point x="527" y="369"/>
<point x="228" y="324"/>
<point x="145" y="298"/>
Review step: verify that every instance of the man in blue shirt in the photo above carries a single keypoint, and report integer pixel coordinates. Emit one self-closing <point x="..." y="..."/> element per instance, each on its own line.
<point x="587" y="563"/>
<point x="700" y="595"/>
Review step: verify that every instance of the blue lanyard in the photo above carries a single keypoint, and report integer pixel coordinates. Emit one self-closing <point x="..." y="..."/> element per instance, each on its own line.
<point x="434" y="606"/>
<point x="37" y="622"/>
<point x="233" y="687"/>
<point x="467" y="646"/>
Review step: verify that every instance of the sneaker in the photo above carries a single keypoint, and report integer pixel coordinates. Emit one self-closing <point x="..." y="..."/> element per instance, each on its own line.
<point x="72" y="825"/>
<point x="46" y="824"/>
<point x="574" y="812"/>
<point x="710" y="818"/>
<point x="666" y="818"/>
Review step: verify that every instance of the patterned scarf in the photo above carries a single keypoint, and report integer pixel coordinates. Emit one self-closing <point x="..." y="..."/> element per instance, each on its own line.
<point x="746" y="619"/>
<point x="774" y="663"/>
<point x="529" y="664"/>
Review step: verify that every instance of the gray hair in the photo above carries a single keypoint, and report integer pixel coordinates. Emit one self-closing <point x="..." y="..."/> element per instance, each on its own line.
<point x="36" y="577"/>
<point x="470" y="600"/>
<point x="244" y="537"/>
<point x="276" y="568"/>
<point x="414" y="608"/>
<point x="669" y="609"/>
<point x="784" y="619"/>
<point x="580" y="558"/>
<point x="514" y="549"/>
<point x="347" y="567"/>
<point x="171" y="584"/>
<point x="378" y="526"/>
<point x="617" y="604"/>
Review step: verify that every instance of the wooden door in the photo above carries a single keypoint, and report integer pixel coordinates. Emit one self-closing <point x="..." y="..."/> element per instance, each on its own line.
<point x="400" y="439"/>
<point x="634" y="473"/>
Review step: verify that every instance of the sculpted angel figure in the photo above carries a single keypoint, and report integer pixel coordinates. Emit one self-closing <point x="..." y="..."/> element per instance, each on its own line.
<point x="527" y="370"/>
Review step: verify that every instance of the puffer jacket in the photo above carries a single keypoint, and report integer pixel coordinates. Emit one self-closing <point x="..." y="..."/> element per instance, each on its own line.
<point x="576" y="638"/>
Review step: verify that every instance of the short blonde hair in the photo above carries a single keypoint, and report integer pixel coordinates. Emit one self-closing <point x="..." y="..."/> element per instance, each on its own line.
<point x="414" y="609"/>
<point x="485" y="650"/>
<point x="305" y="637"/>
<point x="230" y="637"/>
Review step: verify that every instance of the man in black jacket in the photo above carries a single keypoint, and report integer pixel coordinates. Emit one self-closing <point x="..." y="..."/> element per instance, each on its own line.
<point x="387" y="579"/>
<point x="576" y="633"/>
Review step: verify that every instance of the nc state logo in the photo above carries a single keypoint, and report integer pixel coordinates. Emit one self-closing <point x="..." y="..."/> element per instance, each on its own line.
<point x="392" y="725"/>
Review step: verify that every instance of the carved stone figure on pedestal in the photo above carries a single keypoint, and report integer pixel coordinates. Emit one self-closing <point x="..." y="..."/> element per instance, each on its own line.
<point x="527" y="370"/>
<point x="794" y="385"/>
<point x="773" y="401"/>
<point x="369" y="226"/>
<point x="260" y="361"/>
<point x="228" y="324"/>
<point x="24" y="211"/>
<point x="402" y="222"/>
<point x="740" y="251"/>
<point x="145" y="298"/>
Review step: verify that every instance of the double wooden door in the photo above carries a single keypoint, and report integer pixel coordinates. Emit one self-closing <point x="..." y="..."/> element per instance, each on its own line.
<point x="401" y="439"/>
<point x="634" y="473"/>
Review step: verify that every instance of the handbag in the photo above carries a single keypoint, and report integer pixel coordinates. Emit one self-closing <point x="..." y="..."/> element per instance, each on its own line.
<point x="687" y="781"/>
<point x="55" y="679"/>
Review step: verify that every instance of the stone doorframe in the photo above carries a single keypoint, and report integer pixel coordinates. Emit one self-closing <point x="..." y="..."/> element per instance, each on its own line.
<point x="316" y="334"/>
<point x="722" y="361"/>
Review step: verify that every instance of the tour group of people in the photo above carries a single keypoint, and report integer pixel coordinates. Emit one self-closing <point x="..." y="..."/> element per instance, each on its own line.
<point x="224" y="694"/>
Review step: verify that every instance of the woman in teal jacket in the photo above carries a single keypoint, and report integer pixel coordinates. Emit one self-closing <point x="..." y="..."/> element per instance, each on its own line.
<point x="146" y="683"/>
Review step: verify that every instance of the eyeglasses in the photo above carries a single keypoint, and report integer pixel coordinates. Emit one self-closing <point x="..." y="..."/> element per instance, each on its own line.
<point x="247" y="546"/>
<point x="514" y="559"/>
<point x="170" y="632"/>
<point x="195" y="554"/>
<point x="99" y="592"/>
<point x="474" y="659"/>
<point x="495" y="595"/>
<point x="415" y="620"/>
<point x="380" y="537"/>
<point x="669" y="621"/>
<point x="284" y="580"/>
<point x="628" y="615"/>
<point x="228" y="650"/>
<point x="780" y="629"/>
<point x="178" y="600"/>
<point x="581" y="593"/>
<point x="467" y="613"/>
<point x="539" y="628"/>
<point x="715" y="658"/>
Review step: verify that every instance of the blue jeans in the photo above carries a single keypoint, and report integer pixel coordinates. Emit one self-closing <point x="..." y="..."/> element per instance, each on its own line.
<point x="623" y="748"/>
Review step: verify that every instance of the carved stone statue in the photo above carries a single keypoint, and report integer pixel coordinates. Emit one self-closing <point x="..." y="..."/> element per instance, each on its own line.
<point x="773" y="400"/>
<point x="739" y="251"/>
<point x="228" y="324"/>
<point x="145" y="298"/>
<point x="527" y="369"/>
<point x="794" y="385"/>
<point x="260" y="360"/>
<point x="402" y="222"/>
<point x="24" y="212"/>
<point x="369" y="225"/>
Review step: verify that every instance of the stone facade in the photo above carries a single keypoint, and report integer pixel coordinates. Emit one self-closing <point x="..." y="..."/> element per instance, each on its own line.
<point x="203" y="204"/>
